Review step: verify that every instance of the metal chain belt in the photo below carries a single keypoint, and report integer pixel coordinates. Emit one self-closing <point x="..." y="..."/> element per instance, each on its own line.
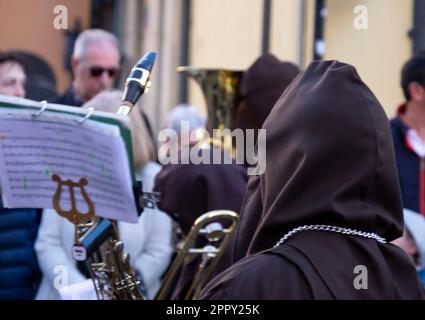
<point x="317" y="227"/>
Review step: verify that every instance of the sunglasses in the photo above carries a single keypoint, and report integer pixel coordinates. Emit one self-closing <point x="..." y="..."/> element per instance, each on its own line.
<point x="98" y="71"/>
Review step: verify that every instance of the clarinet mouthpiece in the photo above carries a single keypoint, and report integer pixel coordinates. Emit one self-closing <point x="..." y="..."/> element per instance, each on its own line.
<point x="138" y="82"/>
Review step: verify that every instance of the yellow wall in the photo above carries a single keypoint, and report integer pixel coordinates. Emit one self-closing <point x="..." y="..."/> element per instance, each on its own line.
<point x="288" y="19"/>
<point x="28" y="25"/>
<point x="224" y="34"/>
<point x="284" y="21"/>
<point x="378" y="52"/>
<point x="309" y="31"/>
<point x="228" y="34"/>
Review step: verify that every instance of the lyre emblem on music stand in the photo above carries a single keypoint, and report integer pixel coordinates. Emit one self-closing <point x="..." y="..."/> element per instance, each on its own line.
<point x="73" y="215"/>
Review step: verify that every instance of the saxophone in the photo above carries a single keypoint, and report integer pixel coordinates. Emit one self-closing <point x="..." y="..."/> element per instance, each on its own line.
<point x="98" y="246"/>
<point x="109" y="265"/>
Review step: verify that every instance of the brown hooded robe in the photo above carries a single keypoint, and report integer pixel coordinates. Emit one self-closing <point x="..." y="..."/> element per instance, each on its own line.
<point x="262" y="85"/>
<point x="330" y="161"/>
<point x="190" y="190"/>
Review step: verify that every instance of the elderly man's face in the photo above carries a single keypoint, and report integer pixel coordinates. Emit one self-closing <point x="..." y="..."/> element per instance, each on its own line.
<point x="96" y="71"/>
<point x="12" y="79"/>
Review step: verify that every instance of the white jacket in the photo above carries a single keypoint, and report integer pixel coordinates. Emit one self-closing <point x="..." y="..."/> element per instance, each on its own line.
<point x="415" y="223"/>
<point x="148" y="242"/>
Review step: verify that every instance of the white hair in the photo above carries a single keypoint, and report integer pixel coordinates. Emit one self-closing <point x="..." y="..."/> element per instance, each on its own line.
<point x="143" y="147"/>
<point x="92" y="37"/>
<point x="188" y="113"/>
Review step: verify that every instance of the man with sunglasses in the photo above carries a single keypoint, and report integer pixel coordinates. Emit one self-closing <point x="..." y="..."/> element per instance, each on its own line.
<point x="95" y="64"/>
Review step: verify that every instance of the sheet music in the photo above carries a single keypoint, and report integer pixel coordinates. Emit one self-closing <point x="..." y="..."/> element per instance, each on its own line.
<point x="31" y="151"/>
<point x="80" y="291"/>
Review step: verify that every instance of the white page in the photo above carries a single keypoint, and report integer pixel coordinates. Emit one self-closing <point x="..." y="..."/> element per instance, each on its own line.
<point x="80" y="291"/>
<point x="31" y="151"/>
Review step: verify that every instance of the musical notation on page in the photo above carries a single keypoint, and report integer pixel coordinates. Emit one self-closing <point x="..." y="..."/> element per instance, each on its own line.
<point x="32" y="151"/>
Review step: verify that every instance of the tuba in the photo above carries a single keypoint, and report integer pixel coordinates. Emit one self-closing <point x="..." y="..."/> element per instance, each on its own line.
<point x="98" y="246"/>
<point x="220" y="88"/>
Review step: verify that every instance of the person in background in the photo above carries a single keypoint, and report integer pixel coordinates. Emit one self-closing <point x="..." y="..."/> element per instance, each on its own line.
<point x="148" y="242"/>
<point x="189" y="190"/>
<point x="262" y="85"/>
<point x="95" y="65"/>
<point x="210" y="187"/>
<point x="412" y="240"/>
<point x="175" y="119"/>
<point x="408" y="132"/>
<point x="19" y="271"/>
<point x="12" y="76"/>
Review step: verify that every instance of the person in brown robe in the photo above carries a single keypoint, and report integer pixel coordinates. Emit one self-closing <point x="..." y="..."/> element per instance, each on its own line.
<point x="331" y="179"/>
<point x="262" y="85"/>
<point x="189" y="190"/>
<point x="183" y="190"/>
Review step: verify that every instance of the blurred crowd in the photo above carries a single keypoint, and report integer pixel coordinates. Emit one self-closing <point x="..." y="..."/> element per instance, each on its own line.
<point x="339" y="179"/>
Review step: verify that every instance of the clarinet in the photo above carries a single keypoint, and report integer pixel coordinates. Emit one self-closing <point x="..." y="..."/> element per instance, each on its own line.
<point x="98" y="241"/>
